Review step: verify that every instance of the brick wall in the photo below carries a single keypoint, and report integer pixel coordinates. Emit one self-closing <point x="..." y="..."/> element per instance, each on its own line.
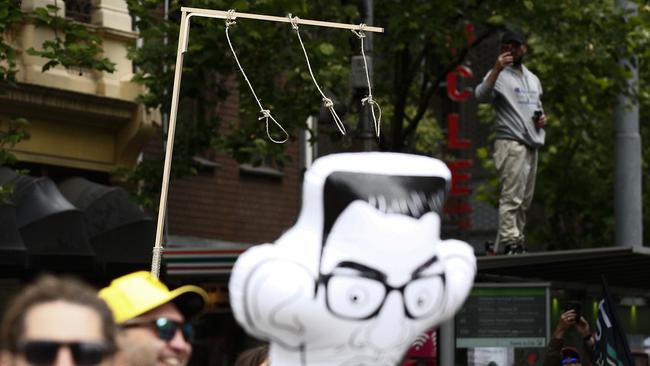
<point x="227" y="205"/>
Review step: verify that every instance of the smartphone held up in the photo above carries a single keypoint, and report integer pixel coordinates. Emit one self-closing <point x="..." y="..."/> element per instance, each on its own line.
<point x="575" y="306"/>
<point x="537" y="115"/>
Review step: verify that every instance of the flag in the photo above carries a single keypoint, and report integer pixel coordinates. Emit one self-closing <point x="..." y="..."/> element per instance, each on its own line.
<point x="611" y="347"/>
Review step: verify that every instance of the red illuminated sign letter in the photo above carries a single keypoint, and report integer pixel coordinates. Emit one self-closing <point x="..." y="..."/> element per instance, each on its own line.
<point x="452" y="84"/>
<point x="453" y="142"/>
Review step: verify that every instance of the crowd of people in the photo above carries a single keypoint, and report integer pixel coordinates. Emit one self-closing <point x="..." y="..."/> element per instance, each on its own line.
<point x="139" y="321"/>
<point x="136" y="321"/>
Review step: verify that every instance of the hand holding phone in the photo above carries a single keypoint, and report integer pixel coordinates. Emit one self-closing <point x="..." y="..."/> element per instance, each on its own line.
<point x="537" y="115"/>
<point x="505" y="57"/>
<point x="576" y="307"/>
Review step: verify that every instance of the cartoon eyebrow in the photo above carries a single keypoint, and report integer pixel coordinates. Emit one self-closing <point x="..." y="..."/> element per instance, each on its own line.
<point x="424" y="266"/>
<point x="363" y="270"/>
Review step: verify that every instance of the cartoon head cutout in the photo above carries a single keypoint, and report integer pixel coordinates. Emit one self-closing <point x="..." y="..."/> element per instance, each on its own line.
<point x="363" y="271"/>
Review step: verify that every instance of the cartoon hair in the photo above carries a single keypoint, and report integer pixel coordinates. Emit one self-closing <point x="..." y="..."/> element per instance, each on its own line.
<point x="412" y="196"/>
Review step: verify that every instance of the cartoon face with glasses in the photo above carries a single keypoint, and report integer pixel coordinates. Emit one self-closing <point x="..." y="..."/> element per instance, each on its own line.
<point x="363" y="272"/>
<point x="354" y="291"/>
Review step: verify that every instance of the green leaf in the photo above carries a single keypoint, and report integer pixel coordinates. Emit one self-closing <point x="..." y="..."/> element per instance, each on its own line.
<point x="496" y="19"/>
<point x="528" y="4"/>
<point x="326" y="48"/>
<point x="482" y="153"/>
<point x="239" y="5"/>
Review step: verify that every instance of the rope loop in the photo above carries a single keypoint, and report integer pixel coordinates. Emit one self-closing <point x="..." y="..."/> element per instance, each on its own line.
<point x="230" y="18"/>
<point x="329" y="104"/>
<point x="265" y="113"/>
<point x="368" y="99"/>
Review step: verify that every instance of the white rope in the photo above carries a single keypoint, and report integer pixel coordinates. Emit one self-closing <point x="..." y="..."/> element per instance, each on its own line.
<point x="265" y="113"/>
<point x="327" y="102"/>
<point x="368" y="99"/>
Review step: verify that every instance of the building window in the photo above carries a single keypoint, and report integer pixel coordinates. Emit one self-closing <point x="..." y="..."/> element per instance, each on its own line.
<point x="78" y="10"/>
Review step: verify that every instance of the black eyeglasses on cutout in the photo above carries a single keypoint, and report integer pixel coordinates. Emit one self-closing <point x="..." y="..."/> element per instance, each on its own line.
<point x="355" y="291"/>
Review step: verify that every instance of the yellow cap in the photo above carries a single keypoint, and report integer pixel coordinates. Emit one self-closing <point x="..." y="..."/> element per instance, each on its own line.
<point x="136" y="293"/>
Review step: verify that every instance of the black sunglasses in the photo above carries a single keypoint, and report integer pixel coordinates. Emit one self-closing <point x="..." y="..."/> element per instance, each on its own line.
<point x="41" y="352"/>
<point x="166" y="328"/>
<point x="567" y="360"/>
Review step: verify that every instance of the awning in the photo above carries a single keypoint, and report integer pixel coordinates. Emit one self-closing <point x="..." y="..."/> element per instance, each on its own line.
<point x="200" y="257"/>
<point x="624" y="267"/>
<point x="200" y="261"/>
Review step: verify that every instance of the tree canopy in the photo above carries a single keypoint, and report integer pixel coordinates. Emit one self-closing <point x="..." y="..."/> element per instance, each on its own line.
<point x="575" y="46"/>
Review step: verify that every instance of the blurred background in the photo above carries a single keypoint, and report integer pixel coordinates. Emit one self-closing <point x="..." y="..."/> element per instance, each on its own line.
<point x="85" y="97"/>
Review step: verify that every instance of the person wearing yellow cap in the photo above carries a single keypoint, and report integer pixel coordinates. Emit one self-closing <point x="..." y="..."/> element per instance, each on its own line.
<point x="154" y="328"/>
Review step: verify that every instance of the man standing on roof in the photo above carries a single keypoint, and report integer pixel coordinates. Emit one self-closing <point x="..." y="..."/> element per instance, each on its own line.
<point x="515" y="93"/>
<point x="153" y="321"/>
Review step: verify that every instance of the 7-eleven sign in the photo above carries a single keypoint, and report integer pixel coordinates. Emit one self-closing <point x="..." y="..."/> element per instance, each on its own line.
<point x="424" y="348"/>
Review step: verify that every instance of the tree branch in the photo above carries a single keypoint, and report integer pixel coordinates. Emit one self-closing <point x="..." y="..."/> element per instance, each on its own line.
<point x="428" y="93"/>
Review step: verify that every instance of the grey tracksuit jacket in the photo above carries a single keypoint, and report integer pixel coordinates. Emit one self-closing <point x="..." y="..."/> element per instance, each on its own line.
<point x="515" y="96"/>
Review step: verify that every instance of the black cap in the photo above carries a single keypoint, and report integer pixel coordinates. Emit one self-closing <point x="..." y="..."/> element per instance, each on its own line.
<point x="513" y="36"/>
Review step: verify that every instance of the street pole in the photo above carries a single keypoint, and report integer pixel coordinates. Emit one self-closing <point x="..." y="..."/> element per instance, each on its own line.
<point x="627" y="187"/>
<point x="447" y="343"/>
<point x="366" y="130"/>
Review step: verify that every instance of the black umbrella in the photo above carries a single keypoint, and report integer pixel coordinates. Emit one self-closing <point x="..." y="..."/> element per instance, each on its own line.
<point x="52" y="228"/>
<point x="13" y="252"/>
<point x="119" y="231"/>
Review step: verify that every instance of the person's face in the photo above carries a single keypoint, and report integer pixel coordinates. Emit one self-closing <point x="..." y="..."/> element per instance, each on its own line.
<point x="141" y="345"/>
<point x="378" y="305"/>
<point x="75" y="327"/>
<point x="516" y="49"/>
